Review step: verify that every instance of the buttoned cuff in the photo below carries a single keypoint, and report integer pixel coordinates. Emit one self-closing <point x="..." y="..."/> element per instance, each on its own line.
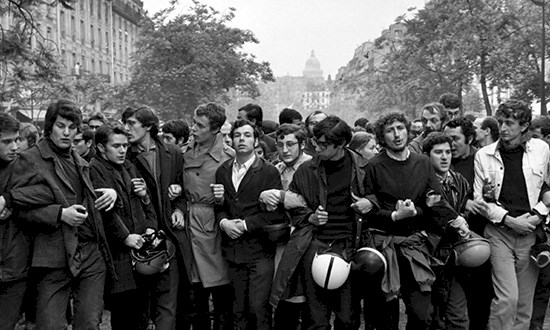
<point x="541" y="209"/>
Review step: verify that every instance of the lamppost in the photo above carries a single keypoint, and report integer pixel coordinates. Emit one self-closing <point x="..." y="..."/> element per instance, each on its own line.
<point x="543" y="111"/>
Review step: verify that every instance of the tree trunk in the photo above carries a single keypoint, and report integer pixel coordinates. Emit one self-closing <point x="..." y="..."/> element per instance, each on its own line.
<point x="483" y="82"/>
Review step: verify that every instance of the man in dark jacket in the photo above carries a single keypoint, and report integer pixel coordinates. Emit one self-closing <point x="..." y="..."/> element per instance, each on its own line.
<point x="242" y="219"/>
<point x="124" y="224"/>
<point x="70" y="253"/>
<point x="161" y="166"/>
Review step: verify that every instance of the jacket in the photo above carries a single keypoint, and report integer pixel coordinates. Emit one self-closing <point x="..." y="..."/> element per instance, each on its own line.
<point x="488" y="165"/>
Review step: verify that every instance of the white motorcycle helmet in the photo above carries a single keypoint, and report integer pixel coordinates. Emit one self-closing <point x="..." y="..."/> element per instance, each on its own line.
<point x="330" y="270"/>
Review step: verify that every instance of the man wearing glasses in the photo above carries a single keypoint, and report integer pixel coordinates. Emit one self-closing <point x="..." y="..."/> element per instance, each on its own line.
<point x="83" y="143"/>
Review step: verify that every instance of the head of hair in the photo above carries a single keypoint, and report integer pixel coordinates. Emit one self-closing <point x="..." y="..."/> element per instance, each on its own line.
<point x="28" y="132"/>
<point x="269" y="126"/>
<point x="104" y="133"/>
<point x="287" y="116"/>
<point x="8" y="124"/>
<point x="515" y="109"/>
<point x="466" y="125"/>
<point x="178" y="128"/>
<point x="380" y="125"/>
<point x="65" y="109"/>
<point x="450" y="101"/>
<point x="145" y="115"/>
<point x="241" y="123"/>
<point x="335" y="130"/>
<point x="433" y="139"/>
<point x="470" y="117"/>
<point x="286" y="129"/>
<point x="263" y="146"/>
<point x="492" y="124"/>
<point x="87" y="133"/>
<point x="359" y="140"/>
<point x="215" y="114"/>
<point x="308" y="118"/>
<point x="436" y="108"/>
<point x="361" y="122"/>
<point x="253" y="113"/>
<point x="543" y="123"/>
<point x="100" y="117"/>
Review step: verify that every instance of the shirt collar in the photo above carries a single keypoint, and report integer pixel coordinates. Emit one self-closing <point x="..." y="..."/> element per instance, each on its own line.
<point x="141" y="149"/>
<point x="246" y="165"/>
<point x="522" y="143"/>
<point x="302" y="159"/>
<point x="400" y="160"/>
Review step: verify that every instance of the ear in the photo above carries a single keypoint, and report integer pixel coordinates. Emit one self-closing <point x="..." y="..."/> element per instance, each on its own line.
<point x="303" y="145"/>
<point x="89" y="143"/>
<point x="524" y="127"/>
<point x="256" y="142"/>
<point x="101" y="148"/>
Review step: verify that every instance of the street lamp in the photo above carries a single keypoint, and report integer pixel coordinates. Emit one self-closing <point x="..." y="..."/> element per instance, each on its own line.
<point x="543" y="111"/>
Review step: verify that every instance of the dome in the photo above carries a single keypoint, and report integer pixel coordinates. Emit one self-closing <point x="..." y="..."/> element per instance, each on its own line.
<point x="313" y="68"/>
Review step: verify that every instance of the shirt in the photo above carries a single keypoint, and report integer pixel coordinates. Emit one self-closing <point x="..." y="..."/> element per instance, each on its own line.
<point x="239" y="171"/>
<point x="287" y="172"/>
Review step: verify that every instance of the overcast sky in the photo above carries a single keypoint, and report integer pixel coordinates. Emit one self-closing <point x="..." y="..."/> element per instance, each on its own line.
<point x="288" y="30"/>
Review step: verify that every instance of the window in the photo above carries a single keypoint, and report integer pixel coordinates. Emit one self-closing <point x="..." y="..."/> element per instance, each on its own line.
<point x="82" y="31"/>
<point x="99" y="36"/>
<point x="99" y="9"/>
<point x="91" y="8"/>
<point x="100" y="66"/>
<point x="92" y="66"/>
<point x="62" y="23"/>
<point x="107" y="41"/>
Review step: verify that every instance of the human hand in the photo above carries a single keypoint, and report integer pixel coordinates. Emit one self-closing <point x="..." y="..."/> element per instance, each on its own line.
<point x="271" y="198"/>
<point x="134" y="241"/>
<point x="178" y="219"/>
<point x="476" y="207"/>
<point x="360" y="205"/>
<point x="5" y="214"/>
<point x="521" y="224"/>
<point x="218" y="190"/>
<point x="107" y="199"/>
<point x="230" y="228"/>
<point x="174" y="191"/>
<point x="320" y="217"/>
<point x="139" y="187"/>
<point x="74" y="215"/>
<point x="404" y="209"/>
<point x="461" y="225"/>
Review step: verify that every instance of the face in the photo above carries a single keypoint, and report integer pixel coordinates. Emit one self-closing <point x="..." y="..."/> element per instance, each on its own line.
<point x="453" y="113"/>
<point x="135" y="130"/>
<point x="95" y="124"/>
<point x="116" y="148"/>
<point x="298" y="122"/>
<point x="432" y="121"/>
<point x="243" y="115"/>
<point x="169" y="138"/>
<point x="536" y="133"/>
<point x="8" y="146"/>
<point x="440" y="157"/>
<point x="244" y="141"/>
<point x="201" y="129"/>
<point x="510" y="129"/>
<point x="225" y="130"/>
<point x="313" y="120"/>
<point x="63" y="132"/>
<point x="460" y="147"/>
<point x="480" y="133"/>
<point x="22" y="144"/>
<point x="416" y="128"/>
<point x="369" y="150"/>
<point x="325" y="150"/>
<point x="395" y="136"/>
<point x="289" y="149"/>
<point x="79" y="145"/>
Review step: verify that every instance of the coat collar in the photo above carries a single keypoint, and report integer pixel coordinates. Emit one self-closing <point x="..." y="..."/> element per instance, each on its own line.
<point x="216" y="149"/>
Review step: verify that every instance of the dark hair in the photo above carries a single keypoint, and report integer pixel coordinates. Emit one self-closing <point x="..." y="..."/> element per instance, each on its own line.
<point x="435" y="138"/>
<point x="65" y="109"/>
<point x="286" y="129"/>
<point x="269" y="126"/>
<point x="335" y="130"/>
<point x="438" y="108"/>
<point x="492" y="124"/>
<point x="8" y="124"/>
<point x="287" y="116"/>
<point x="450" y="101"/>
<point x="145" y="115"/>
<point x="100" y="117"/>
<point x="178" y="128"/>
<point x="418" y="120"/>
<point x="29" y="132"/>
<point x="359" y="140"/>
<point x="104" y="132"/>
<point x="87" y="133"/>
<point x="515" y="109"/>
<point x="263" y="146"/>
<point x="380" y="125"/>
<point x="244" y="122"/>
<point x="466" y="125"/>
<point x="543" y="123"/>
<point x="215" y="114"/>
<point x="361" y="122"/>
<point x="253" y="112"/>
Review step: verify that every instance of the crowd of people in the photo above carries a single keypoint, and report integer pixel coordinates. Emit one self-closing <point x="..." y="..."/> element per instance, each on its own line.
<point x="252" y="224"/>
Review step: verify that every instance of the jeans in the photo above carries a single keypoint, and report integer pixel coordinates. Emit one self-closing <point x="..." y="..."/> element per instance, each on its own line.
<point x="11" y="299"/>
<point x="164" y="303"/>
<point x="54" y="290"/>
<point x="514" y="278"/>
<point x="223" y="308"/>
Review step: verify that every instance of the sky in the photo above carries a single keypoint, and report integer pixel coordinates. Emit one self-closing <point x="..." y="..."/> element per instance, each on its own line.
<point x="288" y="30"/>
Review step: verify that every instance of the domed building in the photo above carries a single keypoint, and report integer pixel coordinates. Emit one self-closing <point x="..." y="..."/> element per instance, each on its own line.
<point x="316" y="96"/>
<point x="312" y="71"/>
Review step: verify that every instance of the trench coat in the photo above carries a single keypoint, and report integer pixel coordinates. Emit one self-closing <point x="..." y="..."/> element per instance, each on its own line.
<point x="199" y="171"/>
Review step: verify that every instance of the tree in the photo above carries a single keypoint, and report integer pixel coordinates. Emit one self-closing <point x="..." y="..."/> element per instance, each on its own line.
<point x="193" y="58"/>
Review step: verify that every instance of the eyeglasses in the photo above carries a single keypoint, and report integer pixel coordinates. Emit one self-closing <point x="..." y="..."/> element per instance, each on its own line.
<point x="321" y="144"/>
<point x="288" y="145"/>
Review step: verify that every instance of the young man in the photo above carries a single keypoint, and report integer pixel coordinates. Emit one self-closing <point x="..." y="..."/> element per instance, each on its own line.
<point x="254" y="114"/>
<point x="200" y="163"/>
<point x="434" y="116"/>
<point x="486" y="131"/>
<point x="161" y="166"/>
<point x="71" y="255"/>
<point x="83" y="143"/>
<point x="330" y="184"/>
<point x="133" y="214"/>
<point x="462" y="131"/>
<point x="516" y="168"/>
<point x="313" y="119"/>
<point x="96" y="121"/>
<point x="241" y="217"/>
<point x="401" y="180"/>
<point x="416" y="128"/>
<point x="176" y="132"/>
<point x="452" y="104"/>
